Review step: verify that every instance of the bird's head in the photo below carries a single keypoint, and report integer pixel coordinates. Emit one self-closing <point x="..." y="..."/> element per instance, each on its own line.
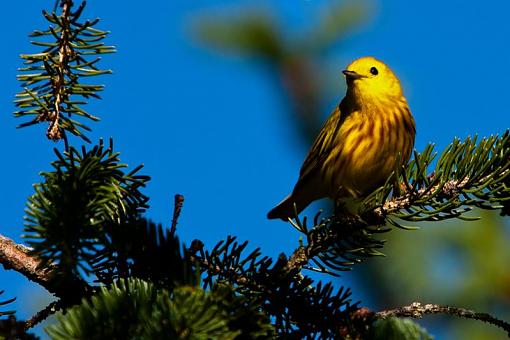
<point x="370" y="78"/>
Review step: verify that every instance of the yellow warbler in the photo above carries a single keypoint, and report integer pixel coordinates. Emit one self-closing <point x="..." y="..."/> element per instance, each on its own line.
<point x="369" y="132"/>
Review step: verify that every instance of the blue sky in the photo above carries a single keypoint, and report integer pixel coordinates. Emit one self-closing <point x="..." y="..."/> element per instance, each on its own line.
<point x="214" y="128"/>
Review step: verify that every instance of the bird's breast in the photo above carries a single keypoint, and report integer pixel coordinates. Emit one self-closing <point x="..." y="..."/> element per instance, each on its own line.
<point x="367" y="149"/>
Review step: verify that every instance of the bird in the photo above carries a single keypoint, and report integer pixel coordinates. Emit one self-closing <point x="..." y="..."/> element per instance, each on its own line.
<point x="370" y="133"/>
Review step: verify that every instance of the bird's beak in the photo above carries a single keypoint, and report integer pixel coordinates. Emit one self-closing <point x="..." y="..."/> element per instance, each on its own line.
<point x="351" y="75"/>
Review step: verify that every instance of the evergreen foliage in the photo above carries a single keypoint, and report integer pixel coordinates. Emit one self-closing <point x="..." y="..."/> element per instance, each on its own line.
<point x="6" y="302"/>
<point x="72" y="213"/>
<point x="131" y="250"/>
<point x="467" y="175"/>
<point x="299" y="309"/>
<point x="136" y="309"/>
<point x="53" y="80"/>
<point x="118" y="275"/>
<point x="398" y="329"/>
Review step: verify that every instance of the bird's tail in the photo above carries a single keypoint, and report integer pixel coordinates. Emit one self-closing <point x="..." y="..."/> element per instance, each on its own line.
<point x="285" y="209"/>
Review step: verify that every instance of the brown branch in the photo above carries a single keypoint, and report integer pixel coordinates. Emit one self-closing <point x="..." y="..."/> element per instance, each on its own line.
<point x="299" y="258"/>
<point x="16" y="257"/>
<point x="197" y="246"/>
<point x="449" y="189"/>
<point x="178" y="201"/>
<point x="304" y="254"/>
<point x="417" y="310"/>
<point x="317" y="244"/>
<point x="43" y="314"/>
<point x="58" y="81"/>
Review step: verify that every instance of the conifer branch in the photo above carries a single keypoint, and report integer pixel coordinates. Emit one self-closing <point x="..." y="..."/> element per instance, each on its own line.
<point x="178" y="201"/>
<point x="17" y="257"/>
<point x="274" y="288"/>
<point x="468" y="174"/>
<point x="448" y="190"/>
<point x="71" y="214"/>
<point x="54" y="132"/>
<point x="53" y="90"/>
<point x="43" y="314"/>
<point x="417" y="310"/>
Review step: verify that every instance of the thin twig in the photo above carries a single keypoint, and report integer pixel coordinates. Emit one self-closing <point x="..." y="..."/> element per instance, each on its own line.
<point x="299" y="258"/>
<point x="303" y="254"/>
<point x="178" y="200"/>
<point x="417" y="310"/>
<point x="43" y="314"/>
<point x="449" y="189"/>
<point x="58" y="81"/>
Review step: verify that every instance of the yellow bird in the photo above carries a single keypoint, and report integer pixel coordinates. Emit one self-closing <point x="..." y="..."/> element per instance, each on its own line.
<point x="369" y="132"/>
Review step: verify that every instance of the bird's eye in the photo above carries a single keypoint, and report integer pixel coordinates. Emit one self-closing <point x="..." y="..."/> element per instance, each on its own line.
<point x="374" y="71"/>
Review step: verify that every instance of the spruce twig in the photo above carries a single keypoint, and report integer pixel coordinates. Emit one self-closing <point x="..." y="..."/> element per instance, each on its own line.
<point x="53" y="90"/>
<point x="58" y="81"/>
<point x="43" y="314"/>
<point x="417" y="310"/>
<point x="178" y="201"/>
<point x="452" y="189"/>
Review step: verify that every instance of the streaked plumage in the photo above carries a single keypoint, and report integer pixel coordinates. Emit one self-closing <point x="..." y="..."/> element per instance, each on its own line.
<point x="360" y="143"/>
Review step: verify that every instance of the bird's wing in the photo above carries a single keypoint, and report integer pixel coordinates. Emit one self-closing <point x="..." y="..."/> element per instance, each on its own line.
<point x="323" y="143"/>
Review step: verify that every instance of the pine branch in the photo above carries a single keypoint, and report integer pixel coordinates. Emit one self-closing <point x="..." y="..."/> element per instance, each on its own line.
<point x="136" y="249"/>
<point x="336" y="243"/>
<point x="299" y="309"/>
<point x="449" y="190"/>
<point x="417" y="310"/>
<point x="43" y="314"/>
<point x="178" y="201"/>
<point x="137" y="309"/>
<point x="70" y="214"/>
<point x="17" y="257"/>
<point x="468" y="174"/>
<point x="53" y="90"/>
<point x="54" y="132"/>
